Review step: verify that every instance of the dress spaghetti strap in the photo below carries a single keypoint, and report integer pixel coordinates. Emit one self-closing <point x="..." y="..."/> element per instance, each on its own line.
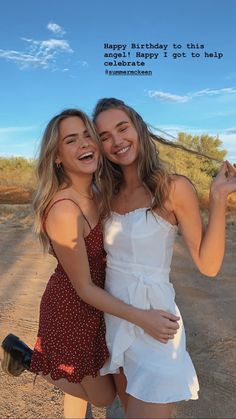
<point x="64" y="199"/>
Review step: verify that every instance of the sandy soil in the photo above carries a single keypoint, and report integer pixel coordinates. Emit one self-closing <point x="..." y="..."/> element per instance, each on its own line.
<point x="207" y="305"/>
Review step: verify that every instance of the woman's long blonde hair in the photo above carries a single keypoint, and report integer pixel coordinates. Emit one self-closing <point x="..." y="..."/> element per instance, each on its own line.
<point x="151" y="170"/>
<point x="50" y="176"/>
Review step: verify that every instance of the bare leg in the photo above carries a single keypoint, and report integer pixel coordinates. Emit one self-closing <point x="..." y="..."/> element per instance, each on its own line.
<point x="137" y="409"/>
<point x="99" y="391"/>
<point x="121" y="383"/>
<point x="72" y="389"/>
<point x="74" y="407"/>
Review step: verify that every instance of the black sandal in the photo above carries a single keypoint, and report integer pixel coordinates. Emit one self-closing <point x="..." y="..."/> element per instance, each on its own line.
<point x="16" y="355"/>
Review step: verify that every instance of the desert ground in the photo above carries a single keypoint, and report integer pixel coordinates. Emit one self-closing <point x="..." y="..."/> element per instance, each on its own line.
<point x="208" y="306"/>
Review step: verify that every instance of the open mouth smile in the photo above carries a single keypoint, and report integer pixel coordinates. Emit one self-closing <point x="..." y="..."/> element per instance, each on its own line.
<point x="86" y="156"/>
<point x="123" y="150"/>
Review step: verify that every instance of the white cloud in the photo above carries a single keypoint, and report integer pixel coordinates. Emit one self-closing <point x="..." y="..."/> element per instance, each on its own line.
<point x="56" y="29"/>
<point x="230" y="131"/>
<point x="7" y="130"/>
<point x="51" y="44"/>
<point x="170" y="97"/>
<point x="38" y="54"/>
<point x="212" y="92"/>
<point x="22" y="59"/>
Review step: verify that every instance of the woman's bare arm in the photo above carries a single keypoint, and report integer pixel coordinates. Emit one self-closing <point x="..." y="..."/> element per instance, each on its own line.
<point x="206" y="247"/>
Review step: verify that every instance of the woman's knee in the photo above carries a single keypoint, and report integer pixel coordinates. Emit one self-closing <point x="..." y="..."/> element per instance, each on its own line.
<point x="101" y="390"/>
<point x="104" y="400"/>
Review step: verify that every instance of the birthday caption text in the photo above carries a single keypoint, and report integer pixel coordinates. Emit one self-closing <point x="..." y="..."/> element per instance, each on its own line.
<point x="134" y="58"/>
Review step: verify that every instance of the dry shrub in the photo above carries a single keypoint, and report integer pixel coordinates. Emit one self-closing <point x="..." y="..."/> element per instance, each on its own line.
<point x="17" y="171"/>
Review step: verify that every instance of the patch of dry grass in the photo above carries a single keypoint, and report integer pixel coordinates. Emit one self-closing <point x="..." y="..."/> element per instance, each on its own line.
<point x="17" y="180"/>
<point x="17" y="214"/>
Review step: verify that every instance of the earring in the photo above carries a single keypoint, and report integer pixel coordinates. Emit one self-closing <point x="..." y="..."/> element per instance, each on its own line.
<point x="59" y="166"/>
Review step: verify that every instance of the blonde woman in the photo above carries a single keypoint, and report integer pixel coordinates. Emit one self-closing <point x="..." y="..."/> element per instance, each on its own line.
<point x="142" y="207"/>
<point x="70" y="348"/>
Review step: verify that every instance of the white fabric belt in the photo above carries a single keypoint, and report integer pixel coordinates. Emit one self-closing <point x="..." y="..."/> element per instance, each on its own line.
<point x="144" y="287"/>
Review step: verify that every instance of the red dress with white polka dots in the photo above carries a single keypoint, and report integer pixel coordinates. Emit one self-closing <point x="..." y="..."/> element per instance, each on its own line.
<point x="71" y="338"/>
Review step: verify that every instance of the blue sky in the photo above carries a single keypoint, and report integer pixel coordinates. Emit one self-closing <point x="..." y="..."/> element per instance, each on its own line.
<point x="52" y="58"/>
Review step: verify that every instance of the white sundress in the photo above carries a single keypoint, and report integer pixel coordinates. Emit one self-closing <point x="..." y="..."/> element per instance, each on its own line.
<point x="139" y="248"/>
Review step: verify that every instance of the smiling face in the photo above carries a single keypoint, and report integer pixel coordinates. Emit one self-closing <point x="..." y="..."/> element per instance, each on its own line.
<point x="78" y="152"/>
<point x="119" y="137"/>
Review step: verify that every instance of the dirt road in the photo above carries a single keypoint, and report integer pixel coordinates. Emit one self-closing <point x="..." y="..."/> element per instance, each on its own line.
<point x="208" y="307"/>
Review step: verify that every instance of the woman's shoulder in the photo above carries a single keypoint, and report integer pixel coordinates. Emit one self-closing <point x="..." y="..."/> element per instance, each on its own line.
<point x="181" y="189"/>
<point x="63" y="217"/>
<point x="179" y="182"/>
<point x="63" y="205"/>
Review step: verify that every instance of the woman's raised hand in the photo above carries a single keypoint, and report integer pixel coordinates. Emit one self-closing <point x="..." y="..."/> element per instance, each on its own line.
<point x="225" y="181"/>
